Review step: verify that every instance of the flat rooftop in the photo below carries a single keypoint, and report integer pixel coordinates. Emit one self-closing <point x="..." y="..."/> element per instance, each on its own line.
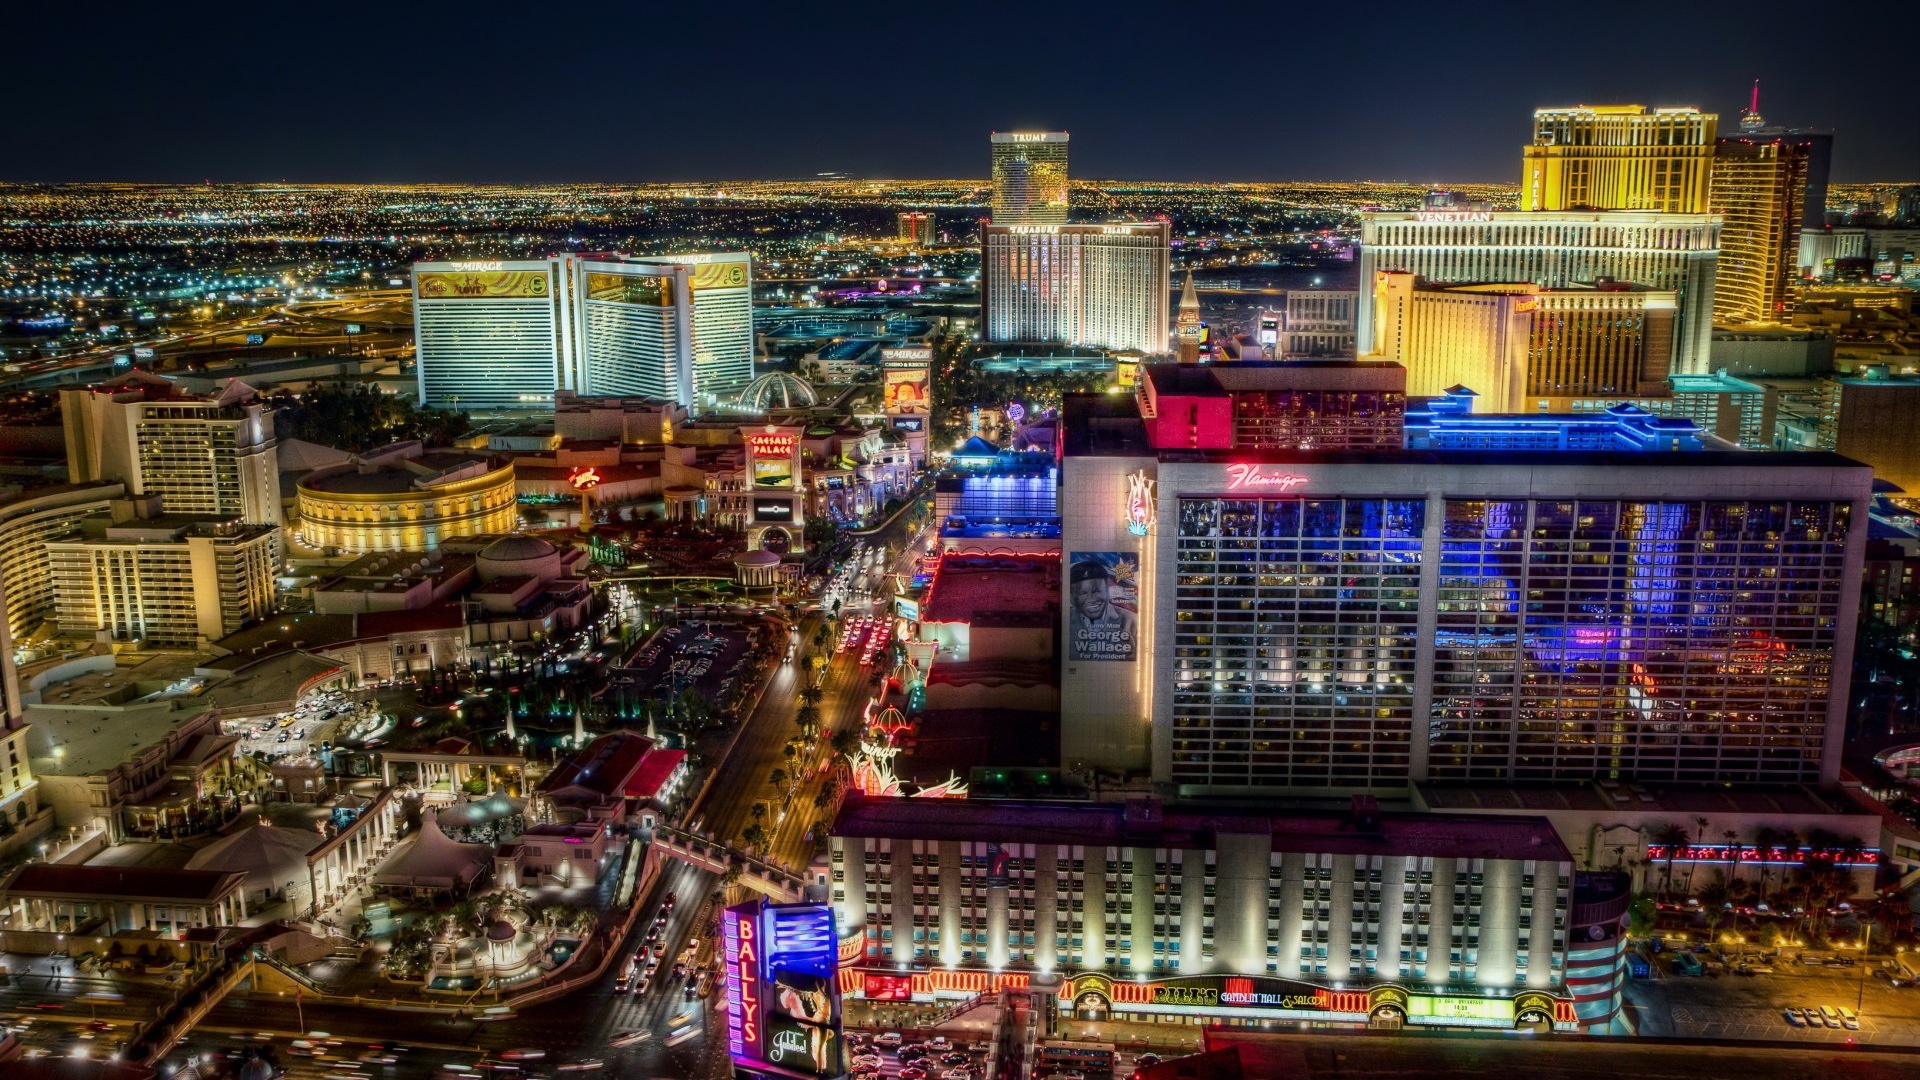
<point x="971" y="585"/>
<point x="1697" y="802"/>
<point x="1131" y="824"/>
<point x="122" y="883"/>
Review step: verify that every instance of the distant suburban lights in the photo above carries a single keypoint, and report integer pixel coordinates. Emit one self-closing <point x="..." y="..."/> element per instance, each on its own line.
<point x="1250" y="476"/>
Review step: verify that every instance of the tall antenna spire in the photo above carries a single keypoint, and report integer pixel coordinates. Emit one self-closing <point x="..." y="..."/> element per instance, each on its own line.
<point x="1751" y="122"/>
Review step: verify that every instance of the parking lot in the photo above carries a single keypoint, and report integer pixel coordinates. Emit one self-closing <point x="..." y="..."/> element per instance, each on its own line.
<point x="702" y="656"/>
<point x="1726" y="1006"/>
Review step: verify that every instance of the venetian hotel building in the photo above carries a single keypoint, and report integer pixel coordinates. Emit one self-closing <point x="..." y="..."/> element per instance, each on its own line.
<point x="1258" y="619"/>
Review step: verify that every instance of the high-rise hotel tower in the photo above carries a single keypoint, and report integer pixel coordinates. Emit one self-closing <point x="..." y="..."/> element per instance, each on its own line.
<point x="1619" y="157"/>
<point x="508" y="335"/>
<point x="1029" y="178"/>
<point x="1045" y="280"/>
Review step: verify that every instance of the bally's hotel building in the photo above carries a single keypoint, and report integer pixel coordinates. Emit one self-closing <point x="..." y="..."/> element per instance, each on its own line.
<point x="1541" y="606"/>
<point x="508" y="335"/>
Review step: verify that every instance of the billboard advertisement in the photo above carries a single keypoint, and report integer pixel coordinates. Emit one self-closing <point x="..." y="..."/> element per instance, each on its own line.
<point x="888" y="987"/>
<point x="773" y="509"/>
<point x="771" y="454"/>
<point x="1105" y="605"/>
<point x="906" y="607"/>
<point x="648" y="291"/>
<point x="783" y="989"/>
<point x="909" y="423"/>
<point x="143" y="352"/>
<point x="719" y="275"/>
<point x="907" y="390"/>
<point x="998" y="861"/>
<point x="482" y="284"/>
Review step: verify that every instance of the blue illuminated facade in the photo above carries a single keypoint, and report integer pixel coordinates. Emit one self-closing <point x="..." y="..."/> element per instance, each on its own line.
<point x="1449" y="423"/>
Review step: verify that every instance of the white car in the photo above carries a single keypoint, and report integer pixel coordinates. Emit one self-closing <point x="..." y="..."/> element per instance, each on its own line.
<point x="888" y="1038"/>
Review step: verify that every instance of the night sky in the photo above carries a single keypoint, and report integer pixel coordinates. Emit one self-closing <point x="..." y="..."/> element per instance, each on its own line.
<point x="552" y="90"/>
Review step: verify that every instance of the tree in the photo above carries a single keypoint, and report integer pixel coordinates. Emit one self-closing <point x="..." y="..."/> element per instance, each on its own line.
<point x="1673" y="837"/>
<point x="759" y="811"/>
<point x="755" y="838"/>
<point x="812" y="694"/>
<point x="778" y="778"/>
<point x="844" y="743"/>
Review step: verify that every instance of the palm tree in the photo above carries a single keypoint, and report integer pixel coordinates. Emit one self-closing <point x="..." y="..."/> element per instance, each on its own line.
<point x="1894" y="914"/>
<point x="778" y="778"/>
<point x="1672" y="837"/>
<point x="1694" y="867"/>
<point x="1733" y="843"/>
<point x="812" y="695"/>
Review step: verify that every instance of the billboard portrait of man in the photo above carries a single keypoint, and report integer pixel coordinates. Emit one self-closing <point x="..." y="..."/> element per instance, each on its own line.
<point x="1103" y="589"/>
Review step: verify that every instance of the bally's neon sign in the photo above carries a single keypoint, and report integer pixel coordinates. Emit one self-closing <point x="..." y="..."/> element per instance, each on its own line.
<point x="1253" y="478"/>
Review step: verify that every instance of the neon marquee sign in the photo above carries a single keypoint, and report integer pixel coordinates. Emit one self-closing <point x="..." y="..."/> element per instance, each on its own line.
<point x="1254" y="478"/>
<point x="584" y="479"/>
<point x="1140" y="510"/>
<point x="771" y="444"/>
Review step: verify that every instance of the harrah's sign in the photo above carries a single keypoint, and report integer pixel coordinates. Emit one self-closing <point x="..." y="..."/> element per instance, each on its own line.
<point x="1254" y="478"/>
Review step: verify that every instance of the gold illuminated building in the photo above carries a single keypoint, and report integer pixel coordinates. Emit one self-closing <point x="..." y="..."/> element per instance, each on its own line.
<point x="1619" y="157"/>
<point x="1520" y="347"/>
<point x="1760" y="192"/>
<point x="406" y="503"/>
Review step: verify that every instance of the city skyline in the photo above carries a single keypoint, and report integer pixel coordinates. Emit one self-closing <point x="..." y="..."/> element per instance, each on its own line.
<point x="415" y="98"/>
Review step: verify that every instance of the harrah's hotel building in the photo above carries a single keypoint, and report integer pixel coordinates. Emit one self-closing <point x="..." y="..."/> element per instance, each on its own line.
<point x="1315" y="609"/>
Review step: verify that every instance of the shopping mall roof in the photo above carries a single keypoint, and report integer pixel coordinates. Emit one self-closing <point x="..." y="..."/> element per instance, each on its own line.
<point x="122" y="883"/>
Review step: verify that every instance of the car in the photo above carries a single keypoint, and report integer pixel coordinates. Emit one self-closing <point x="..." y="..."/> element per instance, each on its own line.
<point x="523" y="1053"/>
<point x="954" y="1058"/>
<point x="583" y="1065"/>
<point x="962" y="1073"/>
<point x="888" y="1038"/>
<point x="1070" y="1074"/>
<point x="913" y="1072"/>
<point x="1830" y="1016"/>
<point x="1848" y="1018"/>
<point x="874" y="1060"/>
<point x="1146" y="1059"/>
<point x="1794" y="1016"/>
<point x="865" y="1068"/>
<point x="99" y="1025"/>
<point x="630" y="1038"/>
<point x="911" y="1053"/>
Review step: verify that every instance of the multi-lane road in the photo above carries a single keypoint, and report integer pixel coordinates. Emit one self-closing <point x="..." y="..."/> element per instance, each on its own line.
<point x="580" y="1027"/>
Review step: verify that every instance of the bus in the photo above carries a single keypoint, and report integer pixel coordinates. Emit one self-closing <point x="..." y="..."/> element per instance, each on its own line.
<point x="625" y="979"/>
<point x="1059" y="1054"/>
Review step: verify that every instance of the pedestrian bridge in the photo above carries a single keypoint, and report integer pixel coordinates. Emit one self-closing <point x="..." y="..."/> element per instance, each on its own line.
<point x="771" y="879"/>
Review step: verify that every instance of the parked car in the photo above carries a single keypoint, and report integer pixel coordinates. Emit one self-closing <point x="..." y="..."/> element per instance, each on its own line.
<point x="1794" y="1016"/>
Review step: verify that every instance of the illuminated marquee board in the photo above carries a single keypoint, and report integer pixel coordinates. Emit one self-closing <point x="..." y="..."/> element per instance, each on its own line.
<point x="771" y="453"/>
<point x="783" y="990"/>
<point x="1725" y="853"/>
<point x="718" y="275"/>
<point x="645" y="290"/>
<point x="483" y="285"/>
